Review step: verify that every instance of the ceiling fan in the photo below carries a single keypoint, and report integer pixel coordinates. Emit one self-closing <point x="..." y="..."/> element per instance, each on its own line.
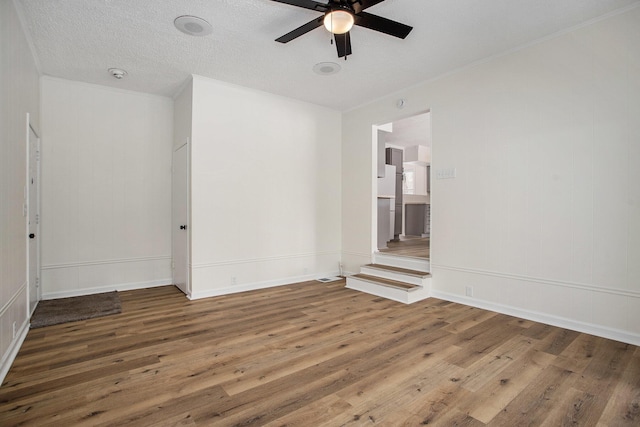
<point x="339" y="16"/>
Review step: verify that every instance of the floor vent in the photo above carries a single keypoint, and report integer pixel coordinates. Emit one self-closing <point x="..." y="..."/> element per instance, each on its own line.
<point x="329" y="279"/>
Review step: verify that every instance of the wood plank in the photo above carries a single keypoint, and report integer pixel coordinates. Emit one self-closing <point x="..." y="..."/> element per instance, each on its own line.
<point x="481" y="339"/>
<point x="623" y="408"/>
<point x="496" y="394"/>
<point x="417" y="247"/>
<point x="490" y="366"/>
<point x="406" y="271"/>
<point x="532" y="405"/>
<point x="386" y="282"/>
<point x="315" y="414"/>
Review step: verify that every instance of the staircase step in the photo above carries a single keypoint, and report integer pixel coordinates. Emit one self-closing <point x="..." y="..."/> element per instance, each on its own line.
<point x="405" y="271"/>
<point x="387" y="282"/>
<point x="413" y="263"/>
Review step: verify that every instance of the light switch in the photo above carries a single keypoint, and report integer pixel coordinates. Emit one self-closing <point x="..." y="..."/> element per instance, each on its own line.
<point x="446" y="173"/>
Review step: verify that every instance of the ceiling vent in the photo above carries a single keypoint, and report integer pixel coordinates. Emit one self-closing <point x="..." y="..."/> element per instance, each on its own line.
<point x="193" y="25"/>
<point x="326" y="68"/>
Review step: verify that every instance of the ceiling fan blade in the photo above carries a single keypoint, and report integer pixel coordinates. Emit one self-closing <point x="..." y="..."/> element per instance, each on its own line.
<point x="343" y="44"/>
<point x="356" y="5"/>
<point x="360" y="5"/>
<point x="383" y="25"/>
<point x="304" y="29"/>
<point x="306" y="4"/>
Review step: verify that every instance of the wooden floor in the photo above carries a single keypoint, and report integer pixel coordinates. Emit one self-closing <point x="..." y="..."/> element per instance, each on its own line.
<point x="417" y="247"/>
<point x="316" y="354"/>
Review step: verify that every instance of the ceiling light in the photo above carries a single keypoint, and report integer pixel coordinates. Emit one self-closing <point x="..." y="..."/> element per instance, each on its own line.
<point x="117" y="73"/>
<point x="338" y="21"/>
<point x="193" y="25"/>
<point x="326" y="68"/>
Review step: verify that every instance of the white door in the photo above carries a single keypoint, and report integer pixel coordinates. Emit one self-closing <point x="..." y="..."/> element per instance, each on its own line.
<point x="33" y="205"/>
<point x="180" y="216"/>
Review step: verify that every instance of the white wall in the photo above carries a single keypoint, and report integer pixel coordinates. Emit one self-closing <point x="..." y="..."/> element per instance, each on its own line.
<point x="106" y="189"/>
<point x="19" y="94"/>
<point x="265" y="189"/>
<point x="182" y="115"/>
<point x="543" y="219"/>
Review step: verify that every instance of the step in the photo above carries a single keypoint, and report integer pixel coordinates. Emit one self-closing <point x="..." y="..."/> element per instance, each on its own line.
<point x="409" y="287"/>
<point x="408" y="275"/>
<point x="403" y="271"/>
<point x="411" y="263"/>
<point x="391" y="289"/>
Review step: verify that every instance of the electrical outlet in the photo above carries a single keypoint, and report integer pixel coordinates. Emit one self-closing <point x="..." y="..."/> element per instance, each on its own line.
<point x="233" y="280"/>
<point x="468" y="291"/>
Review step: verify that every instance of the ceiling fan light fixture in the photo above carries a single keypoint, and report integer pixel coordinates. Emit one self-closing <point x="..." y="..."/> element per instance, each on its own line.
<point x="338" y="21"/>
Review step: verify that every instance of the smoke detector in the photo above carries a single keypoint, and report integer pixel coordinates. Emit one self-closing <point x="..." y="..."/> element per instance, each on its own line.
<point x="117" y="73"/>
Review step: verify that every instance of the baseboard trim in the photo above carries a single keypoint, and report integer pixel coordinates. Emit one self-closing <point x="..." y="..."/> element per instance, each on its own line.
<point x="12" y="352"/>
<point x="108" y="288"/>
<point x="562" y="322"/>
<point x="245" y="287"/>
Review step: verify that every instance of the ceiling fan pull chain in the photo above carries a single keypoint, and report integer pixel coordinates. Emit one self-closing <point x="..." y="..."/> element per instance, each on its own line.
<point x="345" y="47"/>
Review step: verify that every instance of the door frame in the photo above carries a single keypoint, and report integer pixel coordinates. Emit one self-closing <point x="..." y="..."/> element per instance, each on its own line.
<point x="29" y="210"/>
<point x="374" y="177"/>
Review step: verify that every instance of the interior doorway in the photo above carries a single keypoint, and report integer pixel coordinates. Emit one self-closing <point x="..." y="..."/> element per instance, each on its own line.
<point x="403" y="196"/>
<point x="32" y="208"/>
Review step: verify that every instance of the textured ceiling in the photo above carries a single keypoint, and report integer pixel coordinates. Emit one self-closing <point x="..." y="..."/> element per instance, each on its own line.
<point x="81" y="39"/>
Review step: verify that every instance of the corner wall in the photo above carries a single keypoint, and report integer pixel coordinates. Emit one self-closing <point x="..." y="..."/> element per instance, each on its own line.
<point x="543" y="218"/>
<point x="106" y="189"/>
<point x="265" y="189"/>
<point x="19" y="95"/>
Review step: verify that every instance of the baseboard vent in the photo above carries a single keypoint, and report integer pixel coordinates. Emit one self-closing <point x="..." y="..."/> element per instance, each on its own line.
<point x="329" y="279"/>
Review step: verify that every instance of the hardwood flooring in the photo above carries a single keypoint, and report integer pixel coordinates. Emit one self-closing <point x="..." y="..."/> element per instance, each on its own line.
<point x="417" y="247"/>
<point x="315" y="354"/>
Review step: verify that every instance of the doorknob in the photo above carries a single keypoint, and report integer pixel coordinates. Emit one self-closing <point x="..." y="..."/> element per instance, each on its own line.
<point x="183" y="227"/>
<point x="31" y="236"/>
